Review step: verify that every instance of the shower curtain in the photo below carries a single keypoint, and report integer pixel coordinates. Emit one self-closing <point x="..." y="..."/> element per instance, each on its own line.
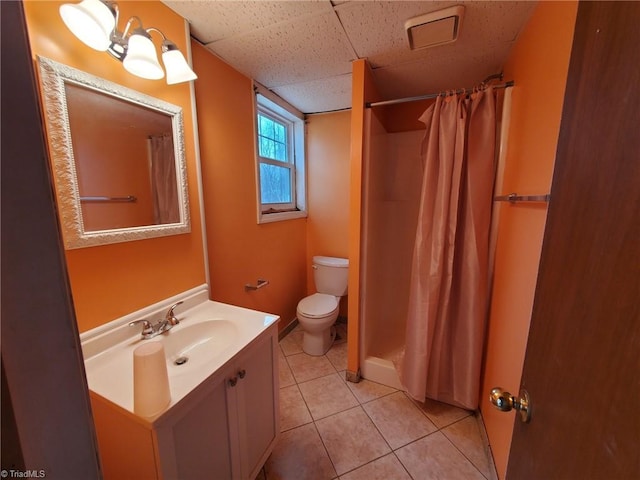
<point x="449" y="280"/>
<point x="164" y="189"/>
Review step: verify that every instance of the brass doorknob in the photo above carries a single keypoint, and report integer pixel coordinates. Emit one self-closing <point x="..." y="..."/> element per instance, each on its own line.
<point x="505" y="402"/>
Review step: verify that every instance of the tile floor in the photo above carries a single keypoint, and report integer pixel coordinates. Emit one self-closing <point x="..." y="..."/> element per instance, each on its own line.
<point x="334" y="429"/>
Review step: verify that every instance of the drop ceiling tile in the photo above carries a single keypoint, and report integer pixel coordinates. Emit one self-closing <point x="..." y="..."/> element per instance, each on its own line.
<point x="377" y="32"/>
<point x="297" y="47"/>
<point x="333" y="93"/>
<point x="310" y="48"/>
<point x="496" y="22"/>
<point x="214" y="20"/>
<point x="377" y="27"/>
<point x="448" y="56"/>
<point x="422" y="78"/>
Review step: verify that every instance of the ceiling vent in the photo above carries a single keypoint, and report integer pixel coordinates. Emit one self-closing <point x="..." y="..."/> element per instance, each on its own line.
<point x="435" y="28"/>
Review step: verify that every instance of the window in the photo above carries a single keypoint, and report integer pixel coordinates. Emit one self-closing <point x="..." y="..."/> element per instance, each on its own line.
<point x="277" y="179"/>
<point x="279" y="160"/>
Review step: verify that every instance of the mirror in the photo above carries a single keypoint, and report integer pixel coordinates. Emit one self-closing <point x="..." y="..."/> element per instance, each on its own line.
<point x="117" y="156"/>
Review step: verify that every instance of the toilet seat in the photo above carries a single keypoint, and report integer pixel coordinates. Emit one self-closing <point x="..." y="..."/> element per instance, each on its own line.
<point x="318" y="305"/>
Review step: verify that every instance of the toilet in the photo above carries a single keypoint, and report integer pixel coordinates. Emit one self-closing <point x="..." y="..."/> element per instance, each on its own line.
<point x="318" y="312"/>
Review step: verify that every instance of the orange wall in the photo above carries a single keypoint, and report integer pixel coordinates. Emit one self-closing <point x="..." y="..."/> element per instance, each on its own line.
<point x="110" y="281"/>
<point x="538" y="64"/>
<point x="403" y="117"/>
<point x="363" y="91"/>
<point x="328" y="147"/>
<point x="240" y="249"/>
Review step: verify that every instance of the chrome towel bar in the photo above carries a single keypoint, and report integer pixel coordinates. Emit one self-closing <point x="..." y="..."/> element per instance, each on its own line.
<point x="514" y="198"/>
<point x="128" y="198"/>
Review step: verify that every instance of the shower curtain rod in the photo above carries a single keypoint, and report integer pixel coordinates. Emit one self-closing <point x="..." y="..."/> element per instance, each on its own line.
<point x="510" y="83"/>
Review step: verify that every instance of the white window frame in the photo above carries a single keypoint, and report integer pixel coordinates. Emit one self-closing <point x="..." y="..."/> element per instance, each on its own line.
<point x="289" y="163"/>
<point x="272" y="106"/>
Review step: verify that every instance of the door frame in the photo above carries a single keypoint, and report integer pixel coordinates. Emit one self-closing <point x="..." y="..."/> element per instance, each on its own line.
<point x="46" y="385"/>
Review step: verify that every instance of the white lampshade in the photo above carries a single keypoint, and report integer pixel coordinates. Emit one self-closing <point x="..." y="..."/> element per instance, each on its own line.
<point x="141" y="58"/>
<point x="91" y="21"/>
<point x="177" y="68"/>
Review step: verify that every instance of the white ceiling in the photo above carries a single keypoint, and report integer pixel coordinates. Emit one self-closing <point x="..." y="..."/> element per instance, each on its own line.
<point x="302" y="50"/>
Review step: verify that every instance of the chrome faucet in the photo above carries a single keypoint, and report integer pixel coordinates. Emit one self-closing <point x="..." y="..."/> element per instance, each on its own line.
<point x="170" y="318"/>
<point x="150" y="330"/>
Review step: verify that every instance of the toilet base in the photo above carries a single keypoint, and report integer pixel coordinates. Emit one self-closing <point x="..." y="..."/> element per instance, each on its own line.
<point x="318" y="343"/>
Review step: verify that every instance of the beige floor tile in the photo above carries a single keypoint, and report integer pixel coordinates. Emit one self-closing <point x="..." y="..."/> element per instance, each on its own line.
<point x="465" y="435"/>
<point x="284" y="371"/>
<point x="365" y="390"/>
<point x="293" y="409"/>
<point x="292" y="343"/>
<point x="337" y="355"/>
<point x="385" y="468"/>
<point x="442" y="414"/>
<point x="327" y="395"/>
<point x="398" y="419"/>
<point x="299" y="454"/>
<point x="351" y="439"/>
<point x="307" y="367"/>
<point x="435" y="458"/>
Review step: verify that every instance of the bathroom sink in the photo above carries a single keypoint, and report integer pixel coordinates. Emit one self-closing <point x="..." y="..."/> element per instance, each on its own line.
<point x="208" y="336"/>
<point x="188" y="346"/>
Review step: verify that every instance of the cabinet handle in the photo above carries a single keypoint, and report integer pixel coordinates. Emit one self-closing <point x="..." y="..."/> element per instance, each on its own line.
<point x="233" y="381"/>
<point x="242" y="373"/>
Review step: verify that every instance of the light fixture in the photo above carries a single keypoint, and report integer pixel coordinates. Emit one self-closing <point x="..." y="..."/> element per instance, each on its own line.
<point x="141" y="58"/>
<point x="178" y="70"/>
<point x="91" y="21"/>
<point x="95" y="23"/>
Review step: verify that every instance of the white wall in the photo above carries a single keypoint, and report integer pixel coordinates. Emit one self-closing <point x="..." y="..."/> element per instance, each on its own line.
<point x="393" y="175"/>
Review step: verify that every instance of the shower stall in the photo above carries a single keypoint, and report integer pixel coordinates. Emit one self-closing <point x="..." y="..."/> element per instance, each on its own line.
<point x="391" y="188"/>
<point x="391" y="196"/>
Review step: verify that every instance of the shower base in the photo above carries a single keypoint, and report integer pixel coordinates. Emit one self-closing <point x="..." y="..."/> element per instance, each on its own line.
<point x="380" y="370"/>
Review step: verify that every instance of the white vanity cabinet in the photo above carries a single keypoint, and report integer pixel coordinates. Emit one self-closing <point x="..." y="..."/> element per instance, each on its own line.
<point x="225" y="428"/>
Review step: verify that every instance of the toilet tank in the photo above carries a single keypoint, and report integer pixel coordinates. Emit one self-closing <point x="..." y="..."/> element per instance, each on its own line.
<point x="330" y="275"/>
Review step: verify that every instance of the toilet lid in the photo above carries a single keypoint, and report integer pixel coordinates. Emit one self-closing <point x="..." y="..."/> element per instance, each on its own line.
<point x="317" y="305"/>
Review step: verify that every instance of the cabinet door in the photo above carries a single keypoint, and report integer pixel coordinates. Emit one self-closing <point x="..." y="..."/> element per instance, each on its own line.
<point x="197" y="445"/>
<point x="258" y="409"/>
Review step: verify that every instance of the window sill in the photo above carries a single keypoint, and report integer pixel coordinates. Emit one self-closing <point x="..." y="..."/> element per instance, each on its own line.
<point x="281" y="216"/>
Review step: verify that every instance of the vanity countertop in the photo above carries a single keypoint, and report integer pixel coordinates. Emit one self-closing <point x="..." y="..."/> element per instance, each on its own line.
<point x="225" y="329"/>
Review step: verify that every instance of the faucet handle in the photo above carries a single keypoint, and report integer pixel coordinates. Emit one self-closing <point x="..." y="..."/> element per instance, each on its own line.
<point x="170" y="317"/>
<point x="147" y="328"/>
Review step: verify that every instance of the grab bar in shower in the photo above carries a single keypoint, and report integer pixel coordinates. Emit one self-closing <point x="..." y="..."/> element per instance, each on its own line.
<point x="514" y="198"/>
<point x="128" y="198"/>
